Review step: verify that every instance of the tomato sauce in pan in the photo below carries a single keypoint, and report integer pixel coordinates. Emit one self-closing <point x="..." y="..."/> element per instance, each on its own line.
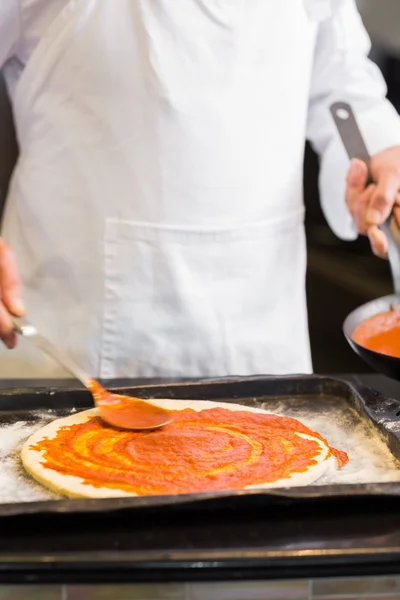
<point x="380" y="333"/>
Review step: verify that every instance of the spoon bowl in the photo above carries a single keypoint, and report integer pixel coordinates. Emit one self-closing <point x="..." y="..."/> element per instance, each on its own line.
<point x="127" y="412"/>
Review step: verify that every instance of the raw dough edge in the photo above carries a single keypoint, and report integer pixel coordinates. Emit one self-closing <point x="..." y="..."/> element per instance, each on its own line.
<point x="74" y="487"/>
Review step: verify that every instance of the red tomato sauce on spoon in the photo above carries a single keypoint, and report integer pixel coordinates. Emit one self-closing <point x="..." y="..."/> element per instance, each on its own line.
<point x="127" y="412"/>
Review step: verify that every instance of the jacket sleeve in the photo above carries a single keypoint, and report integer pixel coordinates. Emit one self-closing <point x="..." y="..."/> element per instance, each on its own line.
<point x="9" y="29"/>
<point x="342" y="71"/>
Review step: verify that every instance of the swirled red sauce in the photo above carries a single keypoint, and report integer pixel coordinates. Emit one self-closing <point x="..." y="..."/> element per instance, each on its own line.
<point x="215" y="449"/>
<point x="380" y="333"/>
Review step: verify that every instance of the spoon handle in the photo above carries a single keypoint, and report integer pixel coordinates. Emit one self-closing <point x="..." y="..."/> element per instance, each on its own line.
<point x="29" y="331"/>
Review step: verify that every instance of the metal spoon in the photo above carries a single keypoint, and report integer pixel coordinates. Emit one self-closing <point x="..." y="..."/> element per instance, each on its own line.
<point x="121" y="411"/>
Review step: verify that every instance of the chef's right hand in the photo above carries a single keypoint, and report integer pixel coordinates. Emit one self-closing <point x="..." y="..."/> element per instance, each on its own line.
<point x="10" y="294"/>
<point x="371" y="204"/>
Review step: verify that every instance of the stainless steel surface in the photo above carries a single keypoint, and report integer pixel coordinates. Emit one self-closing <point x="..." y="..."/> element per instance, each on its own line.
<point x="355" y="146"/>
<point x="29" y="331"/>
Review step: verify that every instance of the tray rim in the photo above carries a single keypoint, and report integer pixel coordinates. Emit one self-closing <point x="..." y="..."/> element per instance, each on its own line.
<point x="295" y="494"/>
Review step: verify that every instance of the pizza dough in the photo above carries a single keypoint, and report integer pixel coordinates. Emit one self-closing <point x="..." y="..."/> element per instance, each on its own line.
<point x="73" y="486"/>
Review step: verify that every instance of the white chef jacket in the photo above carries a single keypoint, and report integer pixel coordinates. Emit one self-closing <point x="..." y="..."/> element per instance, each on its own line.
<point x="156" y="209"/>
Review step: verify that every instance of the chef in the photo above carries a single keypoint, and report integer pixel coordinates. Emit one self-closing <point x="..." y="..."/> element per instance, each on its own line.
<point x="154" y="224"/>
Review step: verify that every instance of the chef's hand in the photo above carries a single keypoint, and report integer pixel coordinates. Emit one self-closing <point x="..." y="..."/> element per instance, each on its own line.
<point x="371" y="205"/>
<point x="10" y="294"/>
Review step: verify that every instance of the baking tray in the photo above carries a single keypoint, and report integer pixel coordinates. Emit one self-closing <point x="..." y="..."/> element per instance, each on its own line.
<point x="352" y="417"/>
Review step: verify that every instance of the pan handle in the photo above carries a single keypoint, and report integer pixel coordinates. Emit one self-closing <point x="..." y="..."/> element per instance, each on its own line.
<point x="355" y="146"/>
<point x="350" y="133"/>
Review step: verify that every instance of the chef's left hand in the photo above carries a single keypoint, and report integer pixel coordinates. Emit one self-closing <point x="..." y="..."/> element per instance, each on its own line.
<point x="370" y="205"/>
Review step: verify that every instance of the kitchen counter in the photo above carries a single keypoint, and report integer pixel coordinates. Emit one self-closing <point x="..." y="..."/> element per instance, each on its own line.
<point x="315" y="538"/>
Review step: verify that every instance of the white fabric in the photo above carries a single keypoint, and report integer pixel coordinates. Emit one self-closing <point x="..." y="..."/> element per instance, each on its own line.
<point x="342" y="72"/>
<point x="9" y="29"/>
<point x="156" y="209"/>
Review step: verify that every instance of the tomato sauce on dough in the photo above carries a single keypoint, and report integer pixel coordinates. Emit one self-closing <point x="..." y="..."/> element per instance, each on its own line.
<point x="214" y="449"/>
<point x="380" y="333"/>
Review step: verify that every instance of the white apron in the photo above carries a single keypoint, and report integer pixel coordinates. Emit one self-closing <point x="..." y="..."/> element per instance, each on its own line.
<point x="156" y="210"/>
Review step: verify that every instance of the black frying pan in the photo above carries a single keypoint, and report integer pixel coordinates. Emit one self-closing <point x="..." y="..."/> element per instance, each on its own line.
<point x="388" y="365"/>
<point x="356" y="148"/>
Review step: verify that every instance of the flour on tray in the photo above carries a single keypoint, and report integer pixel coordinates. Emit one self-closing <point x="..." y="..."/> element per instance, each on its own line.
<point x="15" y="484"/>
<point x="370" y="459"/>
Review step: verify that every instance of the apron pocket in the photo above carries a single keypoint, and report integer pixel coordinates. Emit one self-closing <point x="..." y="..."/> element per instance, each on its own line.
<point x="182" y="302"/>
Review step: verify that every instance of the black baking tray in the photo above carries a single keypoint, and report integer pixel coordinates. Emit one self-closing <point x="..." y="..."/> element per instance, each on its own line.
<point x="319" y="531"/>
<point x="382" y="413"/>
